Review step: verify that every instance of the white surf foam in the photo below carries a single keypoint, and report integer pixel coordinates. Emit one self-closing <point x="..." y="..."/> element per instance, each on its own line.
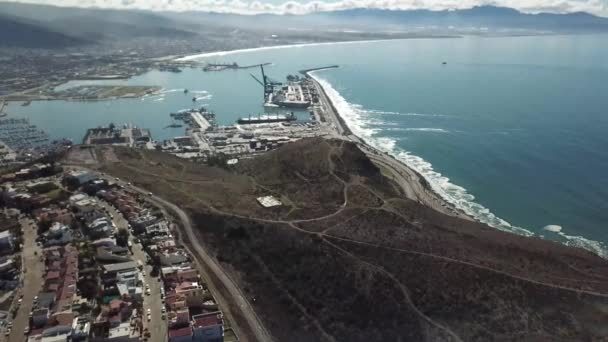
<point x="419" y="129"/>
<point x="579" y="241"/>
<point x="553" y="228"/>
<point x="264" y="48"/>
<point x="167" y="91"/>
<point x="202" y="98"/>
<point x="354" y="116"/>
<point x="201" y="92"/>
<point x="382" y="112"/>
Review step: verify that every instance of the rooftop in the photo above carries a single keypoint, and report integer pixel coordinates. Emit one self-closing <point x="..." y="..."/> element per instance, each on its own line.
<point x="269" y="201"/>
<point x="120" y="266"/>
<point x="187" y="331"/>
<point x="208" y="319"/>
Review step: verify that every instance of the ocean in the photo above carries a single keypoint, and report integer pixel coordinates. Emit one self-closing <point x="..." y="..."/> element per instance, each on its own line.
<point x="512" y="130"/>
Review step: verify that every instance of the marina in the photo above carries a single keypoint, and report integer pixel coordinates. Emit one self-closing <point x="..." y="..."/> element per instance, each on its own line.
<point x="20" y="134"/>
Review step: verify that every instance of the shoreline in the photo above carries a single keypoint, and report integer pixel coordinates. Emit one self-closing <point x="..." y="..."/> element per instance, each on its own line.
<point x="416" y="187"/>
<point x="189" y="58"/>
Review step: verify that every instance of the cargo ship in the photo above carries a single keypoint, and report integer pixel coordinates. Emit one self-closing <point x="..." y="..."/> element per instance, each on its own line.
<point x="266" y="119"/>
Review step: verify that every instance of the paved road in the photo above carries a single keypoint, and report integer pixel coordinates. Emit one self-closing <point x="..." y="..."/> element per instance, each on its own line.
<point x="157" y="326"/>
<point x="32" y="279"/>
<point x="261" y="334"/>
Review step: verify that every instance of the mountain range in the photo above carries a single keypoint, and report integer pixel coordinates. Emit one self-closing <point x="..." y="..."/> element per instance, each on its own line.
<point x="27" y="25"/>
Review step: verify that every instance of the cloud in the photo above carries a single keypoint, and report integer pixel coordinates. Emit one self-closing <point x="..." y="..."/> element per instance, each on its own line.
<point x="598" y="7"/>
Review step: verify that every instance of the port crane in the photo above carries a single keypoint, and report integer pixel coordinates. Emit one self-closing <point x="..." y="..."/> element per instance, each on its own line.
<point x="267" y="83"/>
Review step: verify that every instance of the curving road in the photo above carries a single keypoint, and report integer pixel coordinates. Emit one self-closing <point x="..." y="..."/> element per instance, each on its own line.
<point x="254" y="322"/>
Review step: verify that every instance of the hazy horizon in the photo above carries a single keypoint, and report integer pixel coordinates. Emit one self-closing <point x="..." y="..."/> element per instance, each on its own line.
<point x="596" y="7"/>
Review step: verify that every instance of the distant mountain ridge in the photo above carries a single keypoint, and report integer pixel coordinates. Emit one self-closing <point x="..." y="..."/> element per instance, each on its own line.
<point x="45" y="26"/>
<point x="22" y="33"/>
<point x="489" y="16"/>
<point x="52" y="27"/>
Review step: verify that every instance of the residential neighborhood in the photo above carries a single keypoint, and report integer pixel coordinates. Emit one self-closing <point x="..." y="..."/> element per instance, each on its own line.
<point x="86" y="257"/>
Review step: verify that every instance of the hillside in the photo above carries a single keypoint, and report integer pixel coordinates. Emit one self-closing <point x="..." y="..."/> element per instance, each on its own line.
<point x="15" y="32"/>
<point x="346" y="258"/>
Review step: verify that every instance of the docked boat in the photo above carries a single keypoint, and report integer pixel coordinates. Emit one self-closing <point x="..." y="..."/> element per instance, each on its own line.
<point x="266" y="119"/>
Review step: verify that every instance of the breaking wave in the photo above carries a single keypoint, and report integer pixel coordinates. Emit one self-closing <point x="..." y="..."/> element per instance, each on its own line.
<point x="167" y="91"/>
<point x="382" y="112"/>
<point x="358" y="121"/>
<point x="202" y="98"/>
<point x="419" y="129"/>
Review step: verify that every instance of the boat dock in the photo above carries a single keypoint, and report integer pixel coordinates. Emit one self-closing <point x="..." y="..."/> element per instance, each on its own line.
<point x="199" y="121"/>
<point x="21" y="134"/>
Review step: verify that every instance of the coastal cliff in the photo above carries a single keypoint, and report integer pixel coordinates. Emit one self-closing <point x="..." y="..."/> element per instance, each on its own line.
<point x="347" y="257"/>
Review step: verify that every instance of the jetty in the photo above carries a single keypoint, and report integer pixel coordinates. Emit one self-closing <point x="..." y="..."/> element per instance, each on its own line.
<point x="306" y="71"/>
<point x="233" y="66"/>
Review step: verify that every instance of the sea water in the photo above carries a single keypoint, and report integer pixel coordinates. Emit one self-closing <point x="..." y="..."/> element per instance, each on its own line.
<point x="512" y="130"/>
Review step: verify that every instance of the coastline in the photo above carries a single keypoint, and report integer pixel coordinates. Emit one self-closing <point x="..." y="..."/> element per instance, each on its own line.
<point x="415" y="186"/>
<point x="189" y="58"/>
<point x="418" y="188"/>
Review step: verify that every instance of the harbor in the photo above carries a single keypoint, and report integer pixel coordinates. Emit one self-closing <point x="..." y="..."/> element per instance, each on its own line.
<point x="205" y="139"/>
<point x="295" y="92"/>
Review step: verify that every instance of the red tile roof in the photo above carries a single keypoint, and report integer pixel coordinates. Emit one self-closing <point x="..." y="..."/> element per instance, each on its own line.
<point x="207" y="321"/>
<point x="52" y="275"/>
<point x="187" y="331"/>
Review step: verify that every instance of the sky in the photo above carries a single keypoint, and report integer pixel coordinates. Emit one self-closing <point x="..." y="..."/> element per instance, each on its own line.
<point x="597" y="7"/>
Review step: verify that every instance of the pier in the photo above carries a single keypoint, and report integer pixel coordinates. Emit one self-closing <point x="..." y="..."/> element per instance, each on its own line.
<point x="306" y="71"/>
<point x="233" y="66"/>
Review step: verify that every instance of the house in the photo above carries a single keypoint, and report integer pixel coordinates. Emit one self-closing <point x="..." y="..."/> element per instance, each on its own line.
<point x="130" y="284"/>
<point x="121" y="333"/>
<point x="180" y="334"/>
<point x="81" y="328"/>
<point x="56" y="333"/>
<point x="6" y="240"/>
<point x="7" y="264"/>
<point x="58" y="235"/>
<point x="41" y="186"/>
<point x="120" y="267"/>
<point x="193" y="292"/>
<point x="60" y="215"/>
<point x="101" y="227"/>
<point x="40" y="316"/>
<point x="173" y="259"/>
<point x="208" y="327"/>
<point x="78" y="178"/>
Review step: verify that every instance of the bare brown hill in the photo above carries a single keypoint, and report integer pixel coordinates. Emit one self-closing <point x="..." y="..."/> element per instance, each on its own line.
<point x="347" y="258"/>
